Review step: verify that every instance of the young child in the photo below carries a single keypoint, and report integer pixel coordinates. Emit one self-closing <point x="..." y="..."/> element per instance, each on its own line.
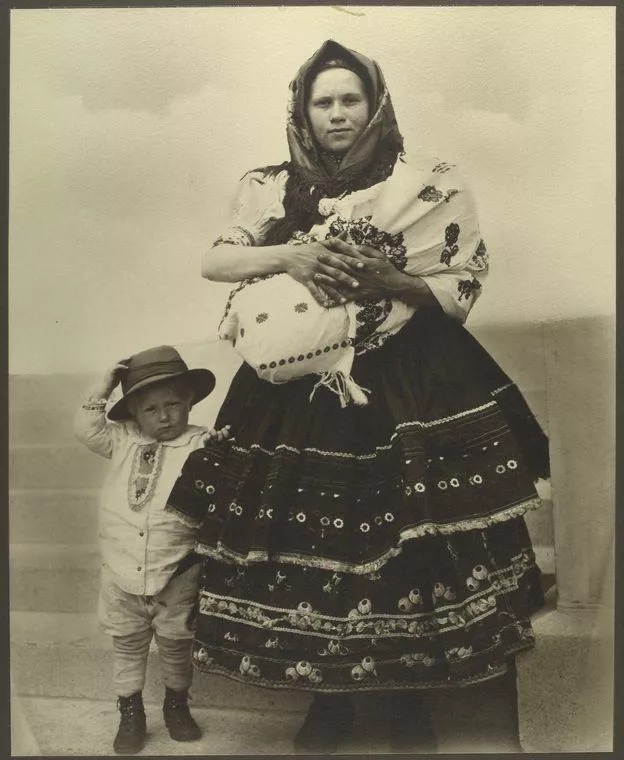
<point x="149" y="580"/>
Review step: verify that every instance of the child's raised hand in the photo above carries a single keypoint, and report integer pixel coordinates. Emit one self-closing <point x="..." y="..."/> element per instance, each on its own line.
<point x="111" y="379"/>
<point x="217" y="435"/>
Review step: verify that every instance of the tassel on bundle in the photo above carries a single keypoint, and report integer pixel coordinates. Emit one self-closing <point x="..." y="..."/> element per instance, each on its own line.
<point x="344" y="386"/>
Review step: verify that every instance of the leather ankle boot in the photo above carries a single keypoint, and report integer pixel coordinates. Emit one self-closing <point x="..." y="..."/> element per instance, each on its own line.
<point x="130" y="737"/>
<point x="178" y="719"/>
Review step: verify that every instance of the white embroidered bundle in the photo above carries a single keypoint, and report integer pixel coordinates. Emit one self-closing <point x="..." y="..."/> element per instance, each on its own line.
<point x="284" y="334"/>
<point x="423" y="221"/>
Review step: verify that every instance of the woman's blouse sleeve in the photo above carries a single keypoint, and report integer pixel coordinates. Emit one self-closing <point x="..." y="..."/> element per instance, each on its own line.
<point x="257" y="205"/>
<point x="440" y="236"/>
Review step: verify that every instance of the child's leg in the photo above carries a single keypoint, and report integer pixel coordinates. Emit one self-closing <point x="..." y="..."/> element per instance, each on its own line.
<point x="173" y="623"/>
<point x="126" y="618"/>
<point x="130" y="654"/>
<point x="129" y="665"/>
<point x="175" y="662"/>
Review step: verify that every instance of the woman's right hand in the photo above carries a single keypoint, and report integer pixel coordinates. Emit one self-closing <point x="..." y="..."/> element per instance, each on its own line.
<point x="303" y="264"/>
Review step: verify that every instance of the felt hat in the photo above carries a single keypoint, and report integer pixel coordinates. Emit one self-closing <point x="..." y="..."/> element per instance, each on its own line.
<point x="155" y="365"/>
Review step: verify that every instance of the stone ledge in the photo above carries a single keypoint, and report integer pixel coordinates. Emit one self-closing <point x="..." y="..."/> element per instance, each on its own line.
<point x="565" y="685"/>
<point x="55" y="467"/>
<point x="56" y="515"/>
<point x="54" y="577"/>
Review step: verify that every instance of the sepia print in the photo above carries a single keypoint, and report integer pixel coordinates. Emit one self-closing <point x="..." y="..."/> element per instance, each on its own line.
<point x="311" y="376"/>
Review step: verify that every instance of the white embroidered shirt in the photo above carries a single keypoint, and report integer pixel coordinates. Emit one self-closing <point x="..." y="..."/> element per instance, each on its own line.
<point x="141" y="543"/>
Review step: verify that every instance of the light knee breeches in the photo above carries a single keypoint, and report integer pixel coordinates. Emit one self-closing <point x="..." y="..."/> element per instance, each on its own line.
<point x="130" y="655"/>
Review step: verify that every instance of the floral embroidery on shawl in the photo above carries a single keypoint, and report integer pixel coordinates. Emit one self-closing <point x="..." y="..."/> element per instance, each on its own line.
<point x="431" y="194"/>
<point x="442" y="167"/>
<point x="480" y="257"/>
<point x="451" y="235"/>
<point x="370" y="315"/>
<point x="467" y="287"/>
<point x="362" y="232"/>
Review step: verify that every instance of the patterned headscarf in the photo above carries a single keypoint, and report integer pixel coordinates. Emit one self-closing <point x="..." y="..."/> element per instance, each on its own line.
<point x="368" y="161"/>
<point x="381" y="129"/>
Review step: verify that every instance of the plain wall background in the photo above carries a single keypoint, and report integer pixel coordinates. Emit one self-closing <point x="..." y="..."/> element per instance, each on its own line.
<point x="131" y="127"/>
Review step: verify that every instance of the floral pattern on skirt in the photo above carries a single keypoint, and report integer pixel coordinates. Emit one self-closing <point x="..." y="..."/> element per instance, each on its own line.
<point x="444" y="612"/>
<point x="375" y="547"/>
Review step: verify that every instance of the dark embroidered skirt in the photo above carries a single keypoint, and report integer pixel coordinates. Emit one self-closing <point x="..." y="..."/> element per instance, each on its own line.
<point x="375" y="547"/>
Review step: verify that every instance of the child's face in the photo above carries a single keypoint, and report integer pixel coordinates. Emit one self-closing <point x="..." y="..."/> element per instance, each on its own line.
<point x="162" y="412"/>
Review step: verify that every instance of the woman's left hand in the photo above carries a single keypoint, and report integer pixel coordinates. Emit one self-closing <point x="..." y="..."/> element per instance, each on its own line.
<point x="217" y="435"/>
<point x="376" y="276"/>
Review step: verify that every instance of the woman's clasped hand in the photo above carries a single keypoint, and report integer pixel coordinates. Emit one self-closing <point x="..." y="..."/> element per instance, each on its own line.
<point x="356" y="273"/>
<point x="306" y="264"/>
<point x="336" y="272"/>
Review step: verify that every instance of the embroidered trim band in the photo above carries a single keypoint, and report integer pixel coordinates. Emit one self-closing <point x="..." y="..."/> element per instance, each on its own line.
<point x="312" y="450"/>
<point x="94" y="406"/>
<point x="236" y="236"/>
<point x="362" y="685"/>
<point x="146" y="467"/>
<point x="222" y="552"/>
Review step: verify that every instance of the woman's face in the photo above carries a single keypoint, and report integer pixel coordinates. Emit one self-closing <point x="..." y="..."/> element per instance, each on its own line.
<point x="337" y="109"/>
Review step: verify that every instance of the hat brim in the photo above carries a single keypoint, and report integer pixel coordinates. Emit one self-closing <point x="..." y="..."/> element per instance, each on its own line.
<point x="202" y="382"/>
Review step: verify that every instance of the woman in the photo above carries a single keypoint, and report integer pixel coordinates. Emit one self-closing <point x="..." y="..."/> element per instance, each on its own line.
<point x="376" y="547"/>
